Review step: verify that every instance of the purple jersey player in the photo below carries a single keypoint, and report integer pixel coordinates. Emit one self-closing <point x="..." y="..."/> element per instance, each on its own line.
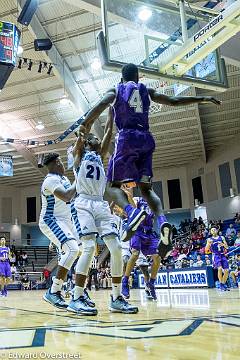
<point x="5" y="269"/>
<point x="132" y="158"/>
<point x="144" y="240"/>
<point x="217" y="245"/>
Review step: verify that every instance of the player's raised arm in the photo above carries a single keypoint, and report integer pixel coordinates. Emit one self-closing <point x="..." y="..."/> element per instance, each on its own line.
<point x="96" y="111"/>
<point x="180" y="100"/>
<point x="78" y="148"/>
<point x="107" y="134"/>
<point x="65" y="194"/>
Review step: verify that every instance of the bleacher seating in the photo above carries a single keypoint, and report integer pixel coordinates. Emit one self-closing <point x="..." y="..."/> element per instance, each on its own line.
<point x="226" y="224"/>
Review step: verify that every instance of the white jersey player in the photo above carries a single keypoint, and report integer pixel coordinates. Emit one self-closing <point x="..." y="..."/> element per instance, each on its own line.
<point x="55" y="222"/>
<point x="95" y="217"/>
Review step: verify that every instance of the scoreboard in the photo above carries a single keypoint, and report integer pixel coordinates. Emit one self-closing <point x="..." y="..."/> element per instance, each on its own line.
<point x="9" y="41"/>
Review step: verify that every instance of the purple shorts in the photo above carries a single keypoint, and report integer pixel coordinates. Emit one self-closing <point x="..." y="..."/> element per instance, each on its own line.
<point x="220" y="261"/>
<point x="132" y="157"/>
<point x="147" y="244"/>
<point x="5" y="269"/>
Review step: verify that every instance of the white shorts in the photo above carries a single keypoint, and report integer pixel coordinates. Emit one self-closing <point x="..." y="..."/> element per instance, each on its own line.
<point x="142" y="260"/>
<point x="95" y="217"/>
<point x="126" y="248"/>
<point x="58" y="231"/>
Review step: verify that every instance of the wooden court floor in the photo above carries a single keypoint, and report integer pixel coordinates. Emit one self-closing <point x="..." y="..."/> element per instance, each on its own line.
<point x="183" y="325"/>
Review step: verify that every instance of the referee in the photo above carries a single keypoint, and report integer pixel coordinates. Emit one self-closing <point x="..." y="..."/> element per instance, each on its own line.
<point x="93" y="272"/>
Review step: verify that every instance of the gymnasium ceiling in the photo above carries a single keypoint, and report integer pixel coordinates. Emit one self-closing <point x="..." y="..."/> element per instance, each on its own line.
<point x="182" y="135"/>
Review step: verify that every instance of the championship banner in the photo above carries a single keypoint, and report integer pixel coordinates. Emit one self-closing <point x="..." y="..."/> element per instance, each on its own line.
<point x="161" y="281"/>
<point x="70" y="158"/>
<point x="192" y="278"/>
<point x="6" y="165"/>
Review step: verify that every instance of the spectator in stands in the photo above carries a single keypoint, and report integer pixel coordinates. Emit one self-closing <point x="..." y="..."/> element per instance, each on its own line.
<point x="199" y="262"/>
<point x="230" y="231"/>
<point x="237" y="239"/>
<point x="47" y="278"/>
<point x="19" y="258"/>
<point x="22" y="271"/>
<point x="13" y="271"/>
<point x="13" y="247"/>
<point x="25" y="258"/>
<point x="108" y="277"/>
<point x="200" y="221"/>
<point x="220" y="225"/>
<point x="185" y="263"/>
<point x="235" y="273"/>
<point x="12" y="258"/>
<point x="191" y="262"/>
<point x="25" y="283"/>
<point x="174" y="231"/>
<point x="194" y="225"/>
<point x="93" y="272"/>
<point x="237" y="218"/>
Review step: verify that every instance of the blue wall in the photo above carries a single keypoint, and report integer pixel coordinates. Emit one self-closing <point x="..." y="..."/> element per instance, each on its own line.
<point x="176" y="218"/>
<point x="37" y="237"/>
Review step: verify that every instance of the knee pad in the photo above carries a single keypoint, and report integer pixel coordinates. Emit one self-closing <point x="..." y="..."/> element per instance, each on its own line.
<point x="69" y="255"/>
<point x="115" y="249"/>
<point x="84" y="262"/>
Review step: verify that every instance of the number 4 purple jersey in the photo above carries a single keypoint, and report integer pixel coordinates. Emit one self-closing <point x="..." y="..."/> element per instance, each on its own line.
<point x="131" y="107"/>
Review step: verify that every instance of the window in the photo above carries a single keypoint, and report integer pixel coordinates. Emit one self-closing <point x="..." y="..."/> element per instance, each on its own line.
<point x="237" y="172"/>
<point x="225" y="179"/>
<point x="174" y="194"/>
<point x="31" y="209"/>
<point x="197" y="189"/>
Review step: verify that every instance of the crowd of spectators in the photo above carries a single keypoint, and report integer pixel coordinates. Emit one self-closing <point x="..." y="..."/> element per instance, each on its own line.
<point x="18" y="261"/>
<point x="189" y="246"/>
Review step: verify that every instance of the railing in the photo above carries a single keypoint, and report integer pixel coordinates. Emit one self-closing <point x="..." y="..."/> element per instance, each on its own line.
<point x="35" y="254"/>
<point x="52" y="264"/>
<point x="32" y="276"/>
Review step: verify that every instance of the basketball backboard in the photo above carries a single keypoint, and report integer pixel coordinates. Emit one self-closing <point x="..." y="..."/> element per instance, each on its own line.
<point x="152" y="36"/>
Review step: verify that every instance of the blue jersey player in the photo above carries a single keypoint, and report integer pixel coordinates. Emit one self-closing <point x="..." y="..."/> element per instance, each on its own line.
<point x="134" y="146"/>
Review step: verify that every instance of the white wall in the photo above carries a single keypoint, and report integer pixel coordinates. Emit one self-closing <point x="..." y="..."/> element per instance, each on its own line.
<point x="223" y="209"/>
<point x="13" y="193"/>
<point x="15" y="232"/>
<point x="19" y="209"/>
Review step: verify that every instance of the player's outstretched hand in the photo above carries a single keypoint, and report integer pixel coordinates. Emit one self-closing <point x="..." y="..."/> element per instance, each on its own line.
<point x="214" y="100"/>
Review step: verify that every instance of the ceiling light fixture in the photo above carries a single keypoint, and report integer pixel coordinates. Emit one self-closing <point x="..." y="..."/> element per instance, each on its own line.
<point x="20" y="64"/>
<point x="50" y="69"/>
<point x="40" y="67"/>
<point x="40" y="125"/>
<point x="96" y="64"/>
<point x="64" y="100"/>
<point x="19" y="50"/>
<point x="30" y="64"/>
<point x="231" y="192"/>
<point x="145" y="14"/>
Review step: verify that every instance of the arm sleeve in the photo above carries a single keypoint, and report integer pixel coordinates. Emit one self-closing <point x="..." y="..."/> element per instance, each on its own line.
<point x="50" y="185"/>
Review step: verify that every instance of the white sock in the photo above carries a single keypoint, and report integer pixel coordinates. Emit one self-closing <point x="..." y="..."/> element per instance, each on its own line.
<point x="78" y="291"/>
<point x="56" y="285"/>
<point x="116" y="290"/>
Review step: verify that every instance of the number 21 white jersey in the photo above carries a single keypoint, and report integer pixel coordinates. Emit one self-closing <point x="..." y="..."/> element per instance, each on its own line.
<point x="90" y="175"/>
